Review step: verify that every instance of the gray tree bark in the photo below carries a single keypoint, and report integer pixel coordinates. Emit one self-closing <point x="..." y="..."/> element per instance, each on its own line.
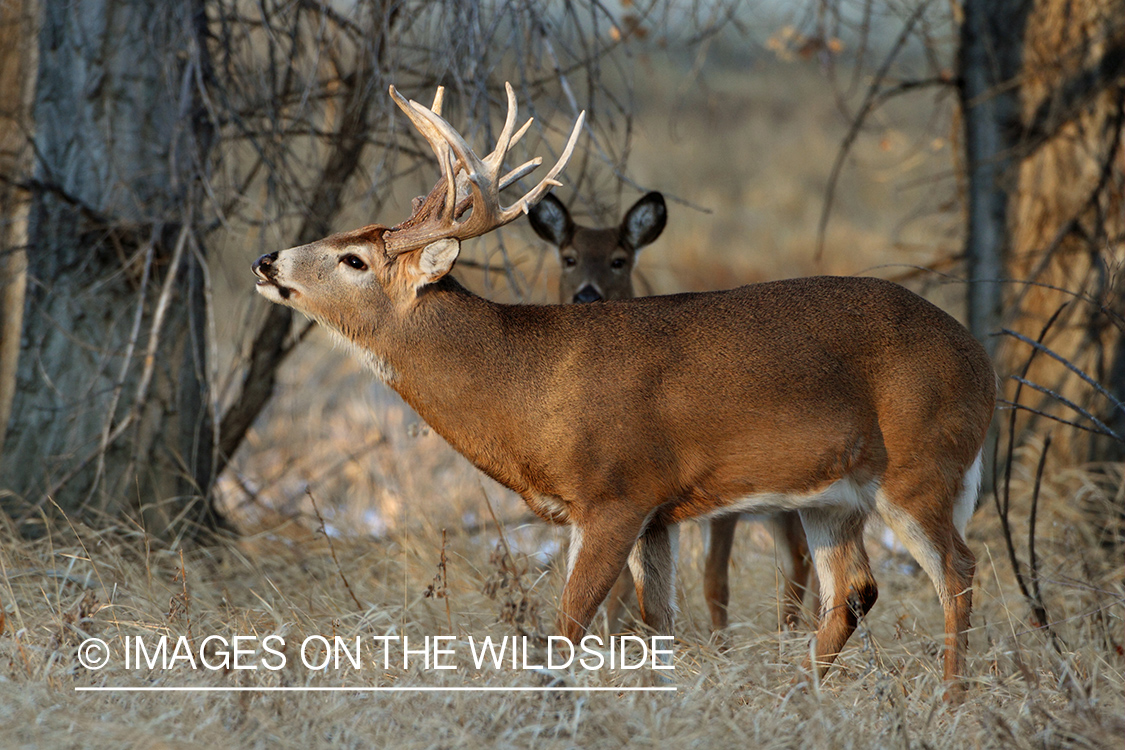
<point x="112" y="411"/>
<point x="17" y="59"/>
<point x="991" y="58"/>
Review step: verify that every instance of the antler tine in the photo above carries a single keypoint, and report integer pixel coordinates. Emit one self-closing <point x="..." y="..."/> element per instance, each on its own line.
<point x="439" y="144"/>
<point x="470" y="162"/>
<point x="433" y="136"/>
<point x="504" y="141"/>
<point x="548" y="182"/>
<point x="520" y="172"/>
<point x="471" y="184"/>
<point x="519" y="133"/>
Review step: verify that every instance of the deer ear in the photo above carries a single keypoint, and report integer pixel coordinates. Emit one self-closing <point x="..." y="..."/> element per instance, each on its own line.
<point x="436" y="259"/>
<point x="645" y="221"/>
<point x="551" y="221"/>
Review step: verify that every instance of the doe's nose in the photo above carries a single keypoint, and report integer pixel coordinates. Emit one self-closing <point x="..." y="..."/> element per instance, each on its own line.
<point x="264" y="266"/>
<point x="587" y="294"/>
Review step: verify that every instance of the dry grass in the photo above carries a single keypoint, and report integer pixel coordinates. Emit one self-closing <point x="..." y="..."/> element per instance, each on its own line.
<point x="108" y="584"/>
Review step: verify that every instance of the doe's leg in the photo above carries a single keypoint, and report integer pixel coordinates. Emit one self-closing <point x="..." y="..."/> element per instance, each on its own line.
<point x="796" y="565"/>
<point x="618" y="601"/>
<point x="716" y="571"/>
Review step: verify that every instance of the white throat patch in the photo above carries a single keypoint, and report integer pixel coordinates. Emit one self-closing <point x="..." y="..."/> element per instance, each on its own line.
<point x="370" y="360"/>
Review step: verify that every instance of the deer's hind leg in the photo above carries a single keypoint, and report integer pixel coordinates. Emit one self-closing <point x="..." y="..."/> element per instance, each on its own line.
<point x="928" y="514"/>
<point x="847" y="588"/>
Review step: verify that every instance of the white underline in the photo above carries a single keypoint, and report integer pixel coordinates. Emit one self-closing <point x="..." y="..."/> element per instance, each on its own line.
<point x="159" y="689"/>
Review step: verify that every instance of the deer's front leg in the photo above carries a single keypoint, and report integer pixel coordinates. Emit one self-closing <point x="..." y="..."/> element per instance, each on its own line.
<point x="599" y="548"/>
<point x="653" y="564"/>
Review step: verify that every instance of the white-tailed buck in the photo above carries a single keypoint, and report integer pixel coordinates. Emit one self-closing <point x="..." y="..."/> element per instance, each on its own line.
<point x="596" y="265"/>
<point x="831" y="396"/>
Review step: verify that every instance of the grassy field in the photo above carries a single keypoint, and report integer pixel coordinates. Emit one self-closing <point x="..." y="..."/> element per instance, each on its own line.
<point x="405" y="538"/>
<point x="734" y="691"/>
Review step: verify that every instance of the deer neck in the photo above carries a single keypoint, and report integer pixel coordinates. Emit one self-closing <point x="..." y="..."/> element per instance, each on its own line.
<point x="457" y="364"/>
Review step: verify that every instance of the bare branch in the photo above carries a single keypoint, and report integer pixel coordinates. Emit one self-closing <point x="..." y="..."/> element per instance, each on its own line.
<point x="870" y="102"/>
<point x="1067" y="364"/>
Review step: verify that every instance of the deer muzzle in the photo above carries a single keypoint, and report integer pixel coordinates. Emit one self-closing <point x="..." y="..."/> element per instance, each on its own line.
<point x="588" y="294"/>
<point x="265" y="268"/>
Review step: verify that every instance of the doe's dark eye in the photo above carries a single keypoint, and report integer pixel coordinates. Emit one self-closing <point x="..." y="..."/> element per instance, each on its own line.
<point x="570" y="262"/>
<point x="617" y="264"/>
<point x="354" y="261"/>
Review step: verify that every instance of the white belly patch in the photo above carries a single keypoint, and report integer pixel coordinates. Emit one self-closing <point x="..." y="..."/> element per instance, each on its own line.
<point x="844" y="492"/>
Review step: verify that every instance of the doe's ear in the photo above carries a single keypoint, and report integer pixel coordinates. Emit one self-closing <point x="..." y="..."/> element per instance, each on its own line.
<point x="436" y="259"/>
<point x="551" y="221"/>
<point x="645" y="221"/>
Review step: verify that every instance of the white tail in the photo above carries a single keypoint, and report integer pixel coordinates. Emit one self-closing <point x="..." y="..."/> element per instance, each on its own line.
<point x="833" y="397"/>
<point x="596" y="265"/>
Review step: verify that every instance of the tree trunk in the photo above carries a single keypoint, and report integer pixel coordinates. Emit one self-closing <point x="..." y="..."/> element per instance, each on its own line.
<point x="990" y="58"/>
<point x="1069" y="220"/>
<point x="112" y="411"/>
<point x="17" y="58"/>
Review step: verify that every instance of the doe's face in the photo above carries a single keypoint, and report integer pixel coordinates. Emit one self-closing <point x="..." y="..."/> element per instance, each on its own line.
<point x="597" y="264"/>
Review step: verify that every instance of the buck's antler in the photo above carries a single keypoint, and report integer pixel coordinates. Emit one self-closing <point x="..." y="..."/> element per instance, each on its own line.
<point x="467" y="181"/>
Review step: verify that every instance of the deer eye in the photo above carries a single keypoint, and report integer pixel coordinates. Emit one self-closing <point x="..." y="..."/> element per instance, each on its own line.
<point x="354" y="261"/>
<point x="570" y="261"/>
<point x="617" y="264"/>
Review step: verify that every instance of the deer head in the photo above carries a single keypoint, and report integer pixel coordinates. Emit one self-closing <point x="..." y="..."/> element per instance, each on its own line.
<point x="598" y="263"/>
<point x="359" y="282"/>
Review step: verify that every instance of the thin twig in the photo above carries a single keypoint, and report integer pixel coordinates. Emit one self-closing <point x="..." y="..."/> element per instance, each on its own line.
<point x="870" y="102"/>
<point x="495" y="520"/>
<point x="126" y="364"/>
<point x="332" y="549"/>
<point x="1037" y="605"/>
<point x="162" y="303"/>
<point x="1046" y="415"/>
<point x="1003" y="506"/>
<point x="1067" y="402"/>
<point x="1067" y="364"/>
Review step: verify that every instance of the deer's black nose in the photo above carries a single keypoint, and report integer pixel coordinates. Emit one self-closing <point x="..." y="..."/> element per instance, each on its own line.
<point x="587" y="294"/>
<point x="264" y="266"/>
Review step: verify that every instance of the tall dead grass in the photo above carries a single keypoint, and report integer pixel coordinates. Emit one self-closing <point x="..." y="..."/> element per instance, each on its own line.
<point x="79" y="582"/>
